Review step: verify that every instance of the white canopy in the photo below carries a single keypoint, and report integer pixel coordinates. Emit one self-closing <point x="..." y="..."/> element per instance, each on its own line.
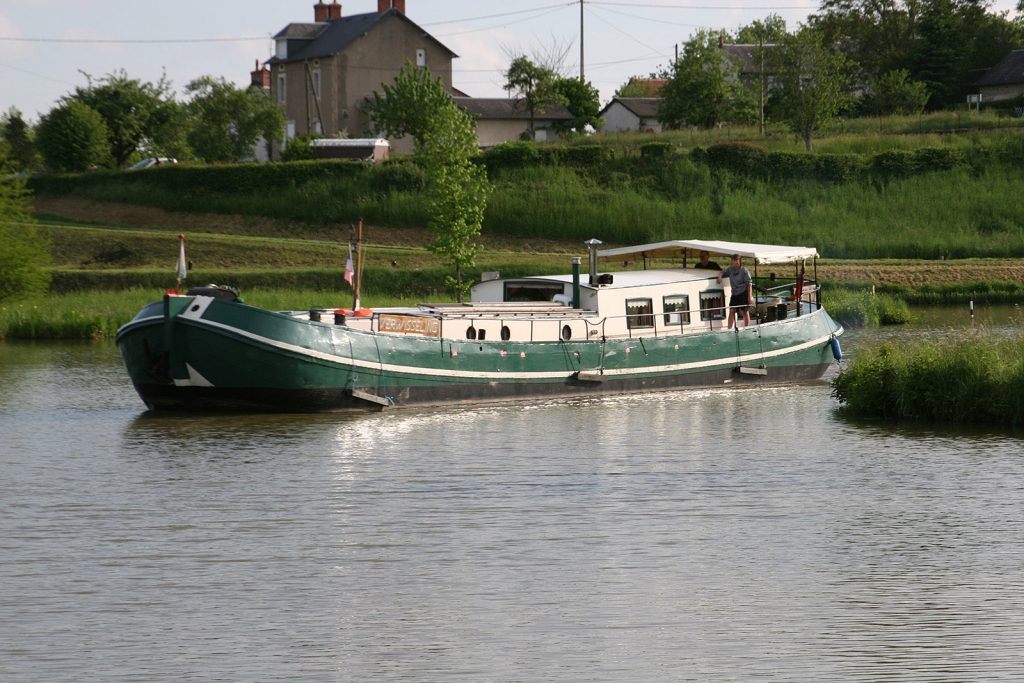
<point x="761" y="253"/>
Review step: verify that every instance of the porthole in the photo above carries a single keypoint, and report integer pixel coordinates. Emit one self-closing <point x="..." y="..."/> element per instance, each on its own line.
<point x="506" y="333"/>
<point x="566" y="333"/>
<point x="481" y="334"/>
<point x="470" y="332"/>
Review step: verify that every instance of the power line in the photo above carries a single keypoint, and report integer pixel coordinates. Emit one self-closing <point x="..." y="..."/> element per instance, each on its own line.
<point x="495" y="16"/>
<point x="769" y="8"/>
<point x="133" y="41"/>
<point x="503" y="24"/>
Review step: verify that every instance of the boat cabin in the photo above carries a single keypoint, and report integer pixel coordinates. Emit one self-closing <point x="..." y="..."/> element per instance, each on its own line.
<point x="663" y="294"/>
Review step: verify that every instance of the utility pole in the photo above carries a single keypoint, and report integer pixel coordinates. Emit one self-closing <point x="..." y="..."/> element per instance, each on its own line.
<point x="583" y="78"/>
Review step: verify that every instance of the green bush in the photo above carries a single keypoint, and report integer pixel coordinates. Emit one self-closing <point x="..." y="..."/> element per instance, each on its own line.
<point x="968" y="378"/>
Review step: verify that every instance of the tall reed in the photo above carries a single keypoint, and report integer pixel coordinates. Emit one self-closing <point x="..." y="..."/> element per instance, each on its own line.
<point x="968" y="377"/>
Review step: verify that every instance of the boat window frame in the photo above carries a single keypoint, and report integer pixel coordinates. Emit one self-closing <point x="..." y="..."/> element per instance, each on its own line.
<point x="640" y="321"/>
<point x="716" y="312"/>
<point x="683" y="312"/>
<point x="552" y="287"/>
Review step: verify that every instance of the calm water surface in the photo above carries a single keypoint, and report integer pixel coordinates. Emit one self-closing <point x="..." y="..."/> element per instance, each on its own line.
<point x="722" y="535"/>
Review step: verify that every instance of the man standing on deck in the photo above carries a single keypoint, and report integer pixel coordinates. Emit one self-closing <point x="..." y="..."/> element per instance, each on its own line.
<point x="742" y="290"/>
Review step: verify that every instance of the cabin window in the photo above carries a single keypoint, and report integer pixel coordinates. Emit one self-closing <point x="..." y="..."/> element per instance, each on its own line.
<point x="639" y="313"/>
<point x="506" y="333"/>
<point x="470" y="332"/>
<point x="531" y="291"/>
<point x="712" y="304"/>
<point x="677" y="309"/>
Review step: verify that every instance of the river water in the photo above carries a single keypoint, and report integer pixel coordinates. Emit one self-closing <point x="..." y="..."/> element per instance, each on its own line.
<point x="720" y="535"/>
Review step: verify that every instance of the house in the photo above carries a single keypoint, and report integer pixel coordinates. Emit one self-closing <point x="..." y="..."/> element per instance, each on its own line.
<point x="1005" y="80"/>
<point x="500" y="119"/>
<point x="624" y="114"/>
<point x="322" y="71"/>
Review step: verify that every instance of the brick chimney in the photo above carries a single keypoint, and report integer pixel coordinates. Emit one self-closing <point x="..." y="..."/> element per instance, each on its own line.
<point x="260" y="77"/>
<point x="320" y="11"/>
<point x="385" y="5"/>
<point x="334" y="10"/>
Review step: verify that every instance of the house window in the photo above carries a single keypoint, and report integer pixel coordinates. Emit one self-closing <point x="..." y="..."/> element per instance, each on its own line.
<point x="677" y="309"/>
<point x="712" y="304"/>
<point x="282" y="49"/>
<point x="316" y="83"/>
<point x="639" y="313"/>
<point x="281" y="83"/>
<point x="421" y="56"/>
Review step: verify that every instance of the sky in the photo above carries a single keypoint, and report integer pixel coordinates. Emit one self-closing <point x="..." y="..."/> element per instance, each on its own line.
<point x="47" y="46"/>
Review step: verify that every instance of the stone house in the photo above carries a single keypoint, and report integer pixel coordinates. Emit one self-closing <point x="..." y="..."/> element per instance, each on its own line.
<point x="1005" y="80"/>
<point x="625" y="114"/>
<point x="323" y="71"/>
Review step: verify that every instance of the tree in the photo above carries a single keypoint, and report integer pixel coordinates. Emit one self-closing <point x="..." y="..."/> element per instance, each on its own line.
<point x="895" y="92"/>
<point x="138" y="115"/>
<point x="229" y="120"/>
<point x="582" y="100"/>
<point x="73" y="137"/>
<point x="25" y="257"/>
<point x="15" y="133"/>
<point x="703" y="86"/>
<point x="444" y="142"/>
<point x="813" y="83"/>
<point x="536" y="86"/>
<point x="410" y="105"/>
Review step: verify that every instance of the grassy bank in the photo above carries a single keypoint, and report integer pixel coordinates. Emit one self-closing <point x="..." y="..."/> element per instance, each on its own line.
<point x="974" y="377"/>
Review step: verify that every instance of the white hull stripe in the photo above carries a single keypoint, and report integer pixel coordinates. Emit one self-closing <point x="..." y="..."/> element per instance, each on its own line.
<point x="468" y="374"/>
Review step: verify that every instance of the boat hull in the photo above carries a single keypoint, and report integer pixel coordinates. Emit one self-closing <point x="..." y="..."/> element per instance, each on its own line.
<point x="200" y="353"/>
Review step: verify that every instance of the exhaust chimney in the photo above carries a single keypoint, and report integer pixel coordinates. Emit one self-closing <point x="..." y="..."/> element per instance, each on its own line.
<point x="592" y="246"/>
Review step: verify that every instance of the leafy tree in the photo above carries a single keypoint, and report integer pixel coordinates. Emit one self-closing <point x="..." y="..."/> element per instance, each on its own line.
<point x="16" y="134"/>
<point x="877" y="35"/>
<point x="444" y="142"/>
<point x="582" y="100"/>
<point x="895" y="92"/>
<point x="73" y="137"/>
<point x="138" y="115"/>
<point x="536" y="86"/>
<point x="25" y="258"/>
<point x="813" y="83"/>
<point x="409" y="106"/>
<point x="703" y="87"/>
<point x="230" y="120"/>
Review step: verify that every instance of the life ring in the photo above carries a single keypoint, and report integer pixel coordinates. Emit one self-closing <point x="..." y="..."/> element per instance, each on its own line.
<point x="363" y="312"/>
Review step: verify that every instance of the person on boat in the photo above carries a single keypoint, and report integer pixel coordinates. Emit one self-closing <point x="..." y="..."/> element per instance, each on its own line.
<point x="742" y="290"/>
<point x="705" y="263"/>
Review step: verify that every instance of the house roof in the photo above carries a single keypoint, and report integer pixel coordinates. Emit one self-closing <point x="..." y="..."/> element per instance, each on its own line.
<point x="641" y="107"/>
<point x="648" y="86"/>
<point x="1009" y="71"/>
<point x="490" y="108"/>
<point x="746" y="57"/>
<point x="327" y="38"/>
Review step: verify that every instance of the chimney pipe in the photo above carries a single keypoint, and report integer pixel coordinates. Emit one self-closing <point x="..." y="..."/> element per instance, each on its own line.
<point x="575" y="281"/>
<point x="334" y="10"/>
<point x="320" y="11"/>
<point x="592" y="246"/>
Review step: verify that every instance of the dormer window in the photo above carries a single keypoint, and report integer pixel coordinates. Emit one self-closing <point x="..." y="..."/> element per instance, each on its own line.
<point x="281" y="51"/>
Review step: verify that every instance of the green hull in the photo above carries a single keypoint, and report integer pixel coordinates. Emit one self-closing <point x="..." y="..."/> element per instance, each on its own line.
<point x="209" y="354"/>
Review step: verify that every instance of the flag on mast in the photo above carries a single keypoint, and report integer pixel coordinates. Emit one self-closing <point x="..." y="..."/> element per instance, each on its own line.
<point x="349" y="270"/>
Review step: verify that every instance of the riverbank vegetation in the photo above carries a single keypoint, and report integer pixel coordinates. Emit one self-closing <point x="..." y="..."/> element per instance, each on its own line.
<point x="965" y="378"/>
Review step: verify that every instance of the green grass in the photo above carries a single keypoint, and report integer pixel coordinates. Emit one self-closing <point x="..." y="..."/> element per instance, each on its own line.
<point x="861" y="308"/>
<point x="965" y="378"/>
